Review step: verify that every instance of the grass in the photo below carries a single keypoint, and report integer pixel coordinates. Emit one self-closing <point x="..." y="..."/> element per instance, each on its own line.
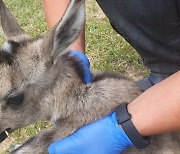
<point x="106" y="49"/>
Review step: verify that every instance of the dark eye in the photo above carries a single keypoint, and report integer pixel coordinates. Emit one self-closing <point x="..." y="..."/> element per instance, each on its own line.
<point x="15" y="100"/>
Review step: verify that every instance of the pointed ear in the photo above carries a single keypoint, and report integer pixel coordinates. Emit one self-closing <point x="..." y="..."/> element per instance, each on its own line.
<point x="8" y="22"/>
<point x="69" y="27"/>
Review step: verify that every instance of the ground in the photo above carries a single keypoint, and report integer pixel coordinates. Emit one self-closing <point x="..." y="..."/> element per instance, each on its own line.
<point x="106" y="49"/>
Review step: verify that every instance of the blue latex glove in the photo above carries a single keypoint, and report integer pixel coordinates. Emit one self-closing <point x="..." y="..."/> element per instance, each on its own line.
<point x="103" y="136"/>
<point x="85" y="63"/>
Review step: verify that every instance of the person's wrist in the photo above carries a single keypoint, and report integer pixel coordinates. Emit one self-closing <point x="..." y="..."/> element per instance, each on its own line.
<point x="124" y="120"/>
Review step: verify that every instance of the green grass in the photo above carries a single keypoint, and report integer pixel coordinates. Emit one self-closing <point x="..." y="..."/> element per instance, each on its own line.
<point x="106" y="49"/>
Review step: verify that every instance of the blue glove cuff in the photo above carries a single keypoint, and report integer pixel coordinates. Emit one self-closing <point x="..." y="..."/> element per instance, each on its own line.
<point x="85" y="63"/>
<point x="120" y="134"/>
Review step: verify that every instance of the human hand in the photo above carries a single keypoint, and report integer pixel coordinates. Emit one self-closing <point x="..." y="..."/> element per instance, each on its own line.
<point x="85" y="64"/>
<point x="103" y="136"/>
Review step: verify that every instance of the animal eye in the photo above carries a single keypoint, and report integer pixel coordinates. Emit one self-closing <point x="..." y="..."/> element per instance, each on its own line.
<point x="15" y="100"/>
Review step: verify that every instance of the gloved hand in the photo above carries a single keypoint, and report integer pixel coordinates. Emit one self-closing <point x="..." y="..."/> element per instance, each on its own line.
<point x="103" y="136"/>
<point x="85" y="63"/>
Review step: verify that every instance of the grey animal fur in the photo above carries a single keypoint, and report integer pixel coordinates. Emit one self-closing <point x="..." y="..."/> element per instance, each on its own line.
<point x="40" y="80"/>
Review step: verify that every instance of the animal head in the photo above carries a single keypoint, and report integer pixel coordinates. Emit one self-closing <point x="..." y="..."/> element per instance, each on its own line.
<point x="24" y="60"/>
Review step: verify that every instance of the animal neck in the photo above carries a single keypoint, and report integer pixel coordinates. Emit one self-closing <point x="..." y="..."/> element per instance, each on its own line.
<point x="59" y="86"/>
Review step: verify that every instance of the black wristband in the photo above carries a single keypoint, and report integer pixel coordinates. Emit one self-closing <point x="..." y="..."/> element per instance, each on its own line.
<point x="124" y="119"/>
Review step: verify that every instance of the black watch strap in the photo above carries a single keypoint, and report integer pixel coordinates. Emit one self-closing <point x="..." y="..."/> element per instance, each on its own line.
<point x="124" y="119"/>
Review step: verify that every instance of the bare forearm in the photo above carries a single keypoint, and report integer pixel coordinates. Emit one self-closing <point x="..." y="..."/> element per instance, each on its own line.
<point x="157" y="110"/>
<point x="54" y="10"/>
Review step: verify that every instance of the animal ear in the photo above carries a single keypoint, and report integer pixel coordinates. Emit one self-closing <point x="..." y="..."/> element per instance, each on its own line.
<point x="69" y="27"/>
<point x="9" y="24"/>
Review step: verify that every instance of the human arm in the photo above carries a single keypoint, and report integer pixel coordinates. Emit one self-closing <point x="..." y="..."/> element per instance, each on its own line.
<point x="54" y="10"/>
<point x="158" y="106"/>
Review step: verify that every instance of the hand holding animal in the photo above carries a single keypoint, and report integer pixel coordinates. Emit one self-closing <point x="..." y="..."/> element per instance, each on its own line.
<point x="41" y="80"/>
